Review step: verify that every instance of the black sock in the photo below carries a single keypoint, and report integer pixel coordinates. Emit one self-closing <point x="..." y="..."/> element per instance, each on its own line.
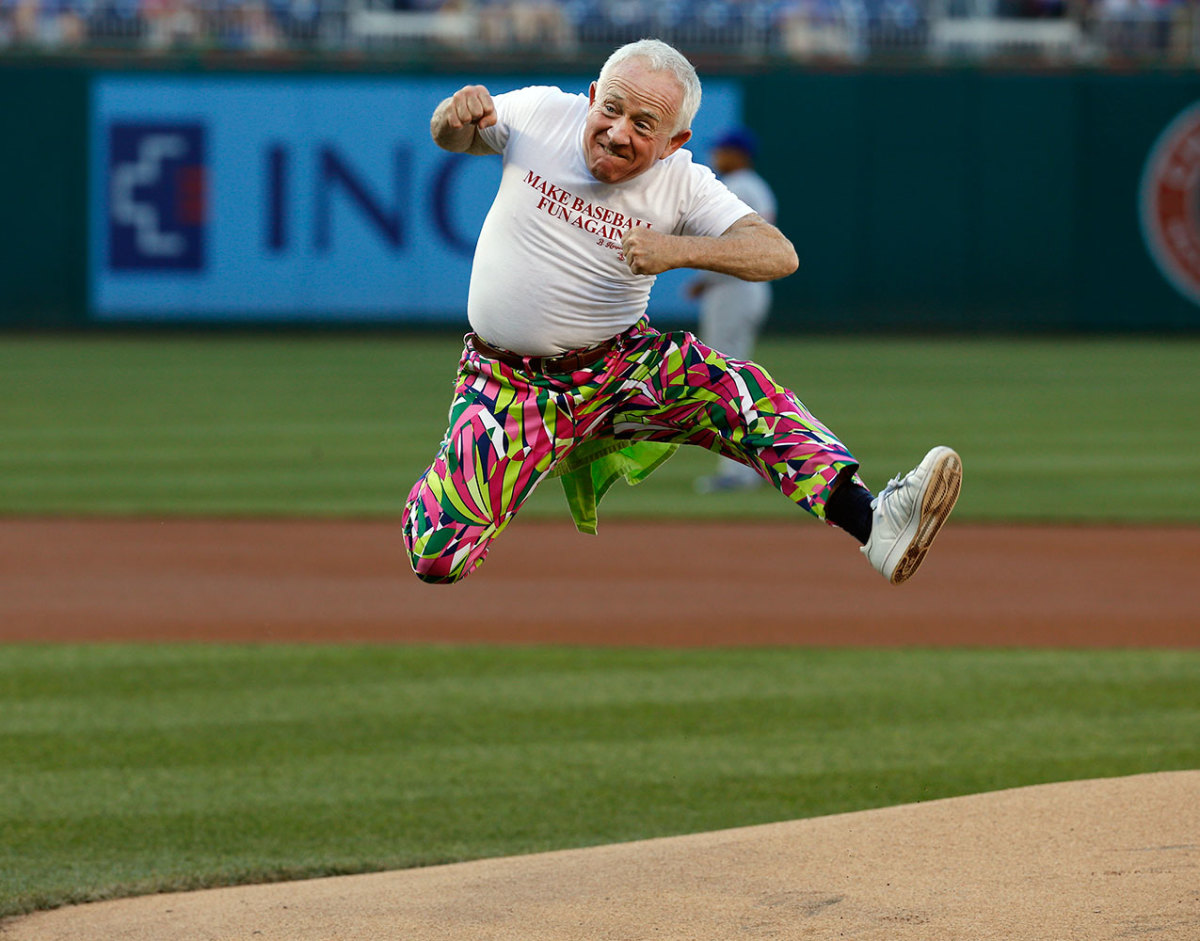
<point x="849" y="506"/>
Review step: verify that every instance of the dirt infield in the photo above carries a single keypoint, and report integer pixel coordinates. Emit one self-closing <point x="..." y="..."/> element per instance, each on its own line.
<point x="1082" y="861"/>
<point x="669" y="584"/>
<point x="1087" y="861"/>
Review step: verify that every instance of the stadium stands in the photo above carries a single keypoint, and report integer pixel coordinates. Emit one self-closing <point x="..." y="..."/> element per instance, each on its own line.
<point x="852" y="31"/>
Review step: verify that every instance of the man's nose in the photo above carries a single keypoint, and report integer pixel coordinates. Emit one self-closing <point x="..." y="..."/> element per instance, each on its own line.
<point x="619" y="131"/>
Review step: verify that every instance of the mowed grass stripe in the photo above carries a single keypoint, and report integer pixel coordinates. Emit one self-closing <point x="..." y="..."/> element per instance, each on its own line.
<point x="135" y="768"/>
<point x="1049" y="428"/>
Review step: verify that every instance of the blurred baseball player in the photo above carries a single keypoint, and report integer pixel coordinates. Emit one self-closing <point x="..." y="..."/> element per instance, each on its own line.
<point x="733" y="311"/>
<point x="562" y="374"/>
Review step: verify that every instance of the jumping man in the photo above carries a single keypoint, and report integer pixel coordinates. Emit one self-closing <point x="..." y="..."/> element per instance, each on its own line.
<point x="563" y="376"/>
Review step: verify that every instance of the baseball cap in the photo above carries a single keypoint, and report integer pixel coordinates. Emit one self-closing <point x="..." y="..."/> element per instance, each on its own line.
<point x="739" y="138"/>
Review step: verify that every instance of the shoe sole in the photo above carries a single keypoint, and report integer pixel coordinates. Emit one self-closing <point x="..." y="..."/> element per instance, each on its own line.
<point x="945" y="482"/>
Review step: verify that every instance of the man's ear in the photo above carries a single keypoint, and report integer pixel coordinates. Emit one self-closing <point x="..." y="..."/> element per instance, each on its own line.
<point x="592" y="95"/>
<point x="676" y="142"/>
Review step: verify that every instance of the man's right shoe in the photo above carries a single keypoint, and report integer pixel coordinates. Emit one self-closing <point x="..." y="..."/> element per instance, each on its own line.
<point x="909" y="511"/>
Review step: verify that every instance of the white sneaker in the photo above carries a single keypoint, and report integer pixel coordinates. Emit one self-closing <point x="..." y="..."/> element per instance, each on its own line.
<point x="908" y="513"/>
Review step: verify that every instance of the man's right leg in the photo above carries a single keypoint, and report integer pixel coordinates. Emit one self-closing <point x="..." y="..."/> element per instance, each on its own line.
<point x="499" y="444"/>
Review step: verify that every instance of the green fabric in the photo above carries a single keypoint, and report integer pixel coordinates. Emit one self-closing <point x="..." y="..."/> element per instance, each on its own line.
<point x="593" y="467"/>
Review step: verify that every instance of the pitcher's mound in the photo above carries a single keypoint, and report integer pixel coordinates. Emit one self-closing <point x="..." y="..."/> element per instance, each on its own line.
<point x="1081" y="861"/>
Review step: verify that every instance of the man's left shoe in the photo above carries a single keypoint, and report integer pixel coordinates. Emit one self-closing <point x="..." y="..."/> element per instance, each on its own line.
<point x="908" y="513"/>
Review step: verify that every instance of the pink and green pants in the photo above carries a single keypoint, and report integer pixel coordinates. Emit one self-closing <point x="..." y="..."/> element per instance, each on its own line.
<point x="509" y="429"/>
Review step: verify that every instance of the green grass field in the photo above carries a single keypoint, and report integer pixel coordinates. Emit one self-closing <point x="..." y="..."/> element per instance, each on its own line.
<point x="137" y="768"/>
<point x="1081" y="429"/>
<point x="127" y="769"/>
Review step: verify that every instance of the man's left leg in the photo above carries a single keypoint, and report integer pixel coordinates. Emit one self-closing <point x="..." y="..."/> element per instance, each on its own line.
<point x="692" y="394"/>
<point x="699" y="397"/>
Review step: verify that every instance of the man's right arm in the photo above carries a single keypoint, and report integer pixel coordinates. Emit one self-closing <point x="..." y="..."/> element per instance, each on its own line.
<point x="457" y="121"/>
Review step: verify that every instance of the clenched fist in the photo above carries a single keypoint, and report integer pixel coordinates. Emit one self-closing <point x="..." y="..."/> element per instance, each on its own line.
<point x="471" y="104"/>
<point x="457" y="121"/>
<point x="647" y="251"/>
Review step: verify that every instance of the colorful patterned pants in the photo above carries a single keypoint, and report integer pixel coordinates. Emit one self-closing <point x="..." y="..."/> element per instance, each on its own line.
<point x="509" y="428"/>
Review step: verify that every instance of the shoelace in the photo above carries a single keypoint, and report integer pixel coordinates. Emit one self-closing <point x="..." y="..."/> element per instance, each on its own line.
<point x="894" y="484"/>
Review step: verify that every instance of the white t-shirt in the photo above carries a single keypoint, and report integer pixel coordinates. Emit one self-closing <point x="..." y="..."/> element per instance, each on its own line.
<point x="548" y="274"/>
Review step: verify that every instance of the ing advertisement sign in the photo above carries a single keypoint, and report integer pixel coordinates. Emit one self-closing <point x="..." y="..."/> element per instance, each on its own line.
<point x="263" y="198"/>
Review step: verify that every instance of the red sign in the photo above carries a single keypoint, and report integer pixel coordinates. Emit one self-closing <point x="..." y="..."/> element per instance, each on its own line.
<point x="1170" y="203"/>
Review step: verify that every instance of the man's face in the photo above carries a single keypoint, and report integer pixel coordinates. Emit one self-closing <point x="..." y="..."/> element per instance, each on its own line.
<point x="630" y="122"/>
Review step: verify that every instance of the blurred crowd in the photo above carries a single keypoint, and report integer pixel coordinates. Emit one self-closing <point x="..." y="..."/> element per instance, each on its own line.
<point x="234" y="25"/>
<point x="851" y="30"/>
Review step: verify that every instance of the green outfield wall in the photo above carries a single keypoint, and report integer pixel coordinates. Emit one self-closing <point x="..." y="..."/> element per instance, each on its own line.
<point x="971" y="199"/>
<point x="43" y="171"/>
<point x="925" y="199"/>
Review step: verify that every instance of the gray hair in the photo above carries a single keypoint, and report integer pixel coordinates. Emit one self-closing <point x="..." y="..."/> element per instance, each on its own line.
<point x="662" y="57"/>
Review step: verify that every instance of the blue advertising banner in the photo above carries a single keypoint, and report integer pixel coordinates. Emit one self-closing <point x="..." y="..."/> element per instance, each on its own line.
<point x="264" y="198"/>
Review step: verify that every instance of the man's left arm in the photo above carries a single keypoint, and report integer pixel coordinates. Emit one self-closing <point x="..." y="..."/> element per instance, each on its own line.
<point x="751" y="249"/>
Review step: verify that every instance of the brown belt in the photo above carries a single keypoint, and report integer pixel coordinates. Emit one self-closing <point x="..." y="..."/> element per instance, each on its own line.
<point x="563" y="363"/>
